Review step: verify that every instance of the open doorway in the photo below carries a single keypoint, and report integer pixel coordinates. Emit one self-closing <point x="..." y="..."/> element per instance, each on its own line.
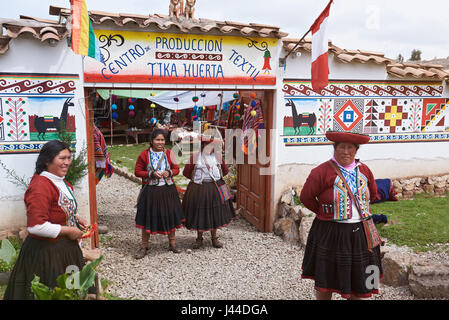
<point x="127" y="117"/>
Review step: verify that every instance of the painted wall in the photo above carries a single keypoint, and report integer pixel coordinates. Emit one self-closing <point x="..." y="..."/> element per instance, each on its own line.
<point x="408" y="122"/>
<point x="39" y="86"/>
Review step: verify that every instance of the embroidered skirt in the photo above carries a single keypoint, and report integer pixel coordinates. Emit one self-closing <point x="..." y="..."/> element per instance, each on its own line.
<point x="159" y="209"/>
<point x="45" y="259"/>
<point x="203" y="208"/>
<point x="337" y="258"/>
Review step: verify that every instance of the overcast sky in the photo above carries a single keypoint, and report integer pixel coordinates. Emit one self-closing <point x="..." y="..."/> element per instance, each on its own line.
<point x="388" y="26"/>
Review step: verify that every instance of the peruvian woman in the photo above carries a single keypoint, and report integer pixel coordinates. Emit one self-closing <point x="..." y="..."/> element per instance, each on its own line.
<point x="159" y="209"/>
<point x="206" y="206"/>
<point x="343" y="246"/>
<point x="54" y="228"/>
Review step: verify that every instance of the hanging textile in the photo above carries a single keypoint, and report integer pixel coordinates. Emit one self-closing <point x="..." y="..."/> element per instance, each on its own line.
<point x="252" y="119"/>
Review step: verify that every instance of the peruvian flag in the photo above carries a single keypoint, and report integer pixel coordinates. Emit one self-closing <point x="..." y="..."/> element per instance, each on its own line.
<point x="320" y="67"/>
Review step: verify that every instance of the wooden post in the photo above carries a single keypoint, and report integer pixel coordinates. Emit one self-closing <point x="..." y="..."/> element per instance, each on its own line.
<point x="219" y="109"/>
<point x="91" y="165"/>
<point x="110" y="111"/>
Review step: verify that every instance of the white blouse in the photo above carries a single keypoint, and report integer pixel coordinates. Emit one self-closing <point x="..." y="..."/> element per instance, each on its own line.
<point x="47" y="229"/>
<point x="201" y="171"/>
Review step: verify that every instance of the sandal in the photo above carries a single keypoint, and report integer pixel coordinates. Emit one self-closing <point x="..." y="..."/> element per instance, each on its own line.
<point x="198" y="243"/>
<point x="216" y="243"/>
<point x="141" y="253"/>
<point x="173" y="248"/>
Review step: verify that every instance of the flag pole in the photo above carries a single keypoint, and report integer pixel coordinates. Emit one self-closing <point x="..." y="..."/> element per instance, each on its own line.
<point x="285" y="58"/>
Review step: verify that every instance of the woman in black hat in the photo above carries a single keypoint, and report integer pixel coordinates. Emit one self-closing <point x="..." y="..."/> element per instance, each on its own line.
<point x="205" y="204"/>
<point x="342" y="252"/>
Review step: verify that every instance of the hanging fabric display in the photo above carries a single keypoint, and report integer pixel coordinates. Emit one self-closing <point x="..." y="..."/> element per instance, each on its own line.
<point x="252" y="119"/>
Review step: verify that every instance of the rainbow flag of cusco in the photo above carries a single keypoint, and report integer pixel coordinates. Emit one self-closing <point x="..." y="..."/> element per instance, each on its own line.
<point x="84" y="41"/>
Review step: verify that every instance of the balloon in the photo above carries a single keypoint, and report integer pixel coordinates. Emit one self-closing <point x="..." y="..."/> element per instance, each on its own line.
<point x="253" y="95"/>
<point x="237" y="117"/>
<point x="131" y="107"/>
<point x="114" y="107"/>
<point x="195" y="99"/>
<point x="253" y="113"/>
<point x="114" y="115"/>
<point x="153" y="121"/>
<point x="236" y="95"/>
<point x="152" y="105"/>
<point x="131" y="113"/>
<point x="253" y="103"/>
<point x="176" y="99"/>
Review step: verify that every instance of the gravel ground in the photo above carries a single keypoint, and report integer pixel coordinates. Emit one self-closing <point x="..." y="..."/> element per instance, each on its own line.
<point x="251" y="265"/>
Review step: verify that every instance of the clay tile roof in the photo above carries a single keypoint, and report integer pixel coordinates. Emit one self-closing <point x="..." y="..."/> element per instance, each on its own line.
<point x="421" y="70"/>
<point x="38" y="19"/>
<point x="38" y="28"/>
<point x="4" y="44"/>
<point x="164" y="22"/>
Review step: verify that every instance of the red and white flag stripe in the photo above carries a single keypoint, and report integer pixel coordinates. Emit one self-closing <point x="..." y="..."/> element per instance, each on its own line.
<point x="320" y="66"/>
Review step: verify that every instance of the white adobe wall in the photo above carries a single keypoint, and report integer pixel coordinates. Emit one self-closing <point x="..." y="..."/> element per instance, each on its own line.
<point x="387" y="160"/>
<point x="28" y="55"/>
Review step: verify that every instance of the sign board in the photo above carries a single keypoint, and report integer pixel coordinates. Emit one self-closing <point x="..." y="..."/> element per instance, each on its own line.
<point x="146" y="57"/>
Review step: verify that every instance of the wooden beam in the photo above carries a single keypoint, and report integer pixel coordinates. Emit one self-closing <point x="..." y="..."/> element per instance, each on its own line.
<point x="91" y="165"/>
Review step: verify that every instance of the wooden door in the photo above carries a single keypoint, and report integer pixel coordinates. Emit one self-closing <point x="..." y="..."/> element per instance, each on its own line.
<point x="253" y="188"/>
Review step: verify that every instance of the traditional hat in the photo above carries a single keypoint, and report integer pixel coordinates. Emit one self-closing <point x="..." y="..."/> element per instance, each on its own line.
<point x="351" y="137"/>
<point x="206" y="139"/>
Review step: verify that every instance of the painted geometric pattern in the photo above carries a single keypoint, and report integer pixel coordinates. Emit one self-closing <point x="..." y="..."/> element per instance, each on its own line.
<point x="2" y="129"/>
<point x="373" y="89"/>
<point x="325" y="114"/>
<point x="435" y="115"/>
<point x="385" y="119"/>
<point x="33" y="84"/>
<point x="348" y="115"/>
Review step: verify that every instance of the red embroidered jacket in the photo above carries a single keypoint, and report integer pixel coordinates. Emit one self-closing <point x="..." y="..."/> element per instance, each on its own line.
<point x="42" y="205"/>
<point x="324" y="193"/>
<point x="189" y="168"/>
<point x="142" y="167"/>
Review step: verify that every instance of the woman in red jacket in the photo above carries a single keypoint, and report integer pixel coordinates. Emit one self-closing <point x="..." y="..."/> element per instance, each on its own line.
<point x="202" y="203"/>
<point x="52" y="224"/>
<point x="342" y="241"/>
<point x="159" y="209"/>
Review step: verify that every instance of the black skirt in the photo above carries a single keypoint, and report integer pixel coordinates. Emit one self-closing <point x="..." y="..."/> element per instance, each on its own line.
<point x="45" y="259"/>
<point x="203" y="208"/>
<point x="159" y="210"/>
<point x="337" y="258"/>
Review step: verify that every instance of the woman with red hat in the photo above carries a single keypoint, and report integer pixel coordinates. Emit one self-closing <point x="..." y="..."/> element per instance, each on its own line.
<point x="206" y="203"/>
<point x="343" y="241"/>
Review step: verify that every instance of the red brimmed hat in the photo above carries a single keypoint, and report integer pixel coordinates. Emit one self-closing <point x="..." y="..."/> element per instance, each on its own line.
<point x="350" y="137"/>
<point x="209" y="139"/>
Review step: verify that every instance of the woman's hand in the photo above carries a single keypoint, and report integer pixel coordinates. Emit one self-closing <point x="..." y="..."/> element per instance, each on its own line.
<point x="157" y="175"/>
<point x="83" y="223"/>
<point x="72" y="233"/>
<point x="165" y="174"/>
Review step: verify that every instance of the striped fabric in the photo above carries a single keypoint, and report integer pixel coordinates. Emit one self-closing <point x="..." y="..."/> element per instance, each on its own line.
<point x="83" y="37"/>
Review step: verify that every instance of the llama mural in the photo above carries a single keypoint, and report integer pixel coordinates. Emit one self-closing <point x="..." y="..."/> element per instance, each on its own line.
<point x="302" y="122"/>
<point x="45" y="125"/>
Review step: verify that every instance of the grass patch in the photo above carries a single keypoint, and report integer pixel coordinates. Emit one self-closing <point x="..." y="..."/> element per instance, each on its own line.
<point x="421" y="223"/>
